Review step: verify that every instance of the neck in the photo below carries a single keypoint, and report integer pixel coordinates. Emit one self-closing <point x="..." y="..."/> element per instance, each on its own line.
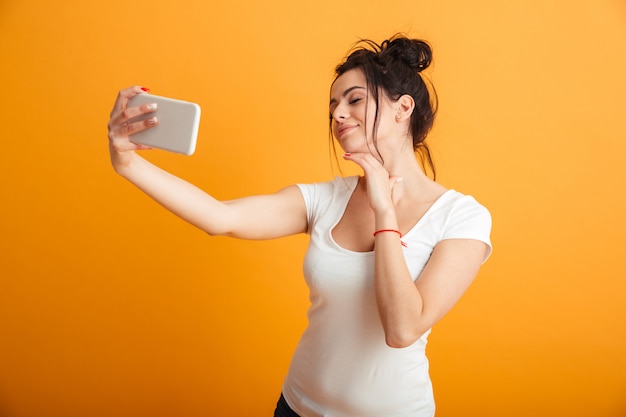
<point x="404" y="164"/>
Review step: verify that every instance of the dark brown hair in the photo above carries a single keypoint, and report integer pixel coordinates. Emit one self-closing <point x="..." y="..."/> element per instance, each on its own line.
<point x="393" y="68"/>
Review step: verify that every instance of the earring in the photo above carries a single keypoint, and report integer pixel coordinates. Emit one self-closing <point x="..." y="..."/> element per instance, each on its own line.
<point x="398" y="116"/>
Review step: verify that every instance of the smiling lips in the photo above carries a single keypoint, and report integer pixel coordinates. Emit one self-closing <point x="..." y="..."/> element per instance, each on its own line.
<point x="344" y="128"/>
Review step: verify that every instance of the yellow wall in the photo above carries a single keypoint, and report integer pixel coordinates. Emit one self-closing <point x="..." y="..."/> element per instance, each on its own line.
<point x="110" y="306"/>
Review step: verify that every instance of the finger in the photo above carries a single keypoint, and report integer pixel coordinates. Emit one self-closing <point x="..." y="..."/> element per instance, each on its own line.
<point x="129" y="113"/>
<point x="119" y="125"/>
<point x="140" y="147"/>
<point x="366" y="161"/>
<point x="124" y="143"/>
<point x="396" y="186"/>
<point x="394" y="180"/>
<point x="124" y="95"/>
<point x="130" y="146"/>
<point x="126" y="129"/>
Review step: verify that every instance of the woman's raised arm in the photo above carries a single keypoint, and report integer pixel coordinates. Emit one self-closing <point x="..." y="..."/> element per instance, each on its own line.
<point x="257" y="217"/>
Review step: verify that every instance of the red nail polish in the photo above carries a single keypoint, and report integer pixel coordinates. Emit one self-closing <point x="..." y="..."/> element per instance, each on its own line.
<point x="347" y="154"/>
<point x="146" y="89"/>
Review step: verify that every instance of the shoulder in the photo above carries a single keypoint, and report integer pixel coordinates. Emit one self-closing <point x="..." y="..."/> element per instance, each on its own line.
<point x="454" y="203"/>
<point x="466" y="218"/>
<point x="322" y="198"/>
<point x="326" y="189"/>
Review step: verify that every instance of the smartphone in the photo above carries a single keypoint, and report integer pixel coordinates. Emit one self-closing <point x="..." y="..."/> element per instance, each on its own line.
<point x="177" y="130"/>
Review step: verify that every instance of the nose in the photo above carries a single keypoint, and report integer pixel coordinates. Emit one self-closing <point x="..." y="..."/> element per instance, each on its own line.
<point x="339" y="114"/>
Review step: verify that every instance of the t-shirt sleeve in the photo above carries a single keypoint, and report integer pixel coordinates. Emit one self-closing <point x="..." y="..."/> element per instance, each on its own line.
<point x="315" y="197"/>
<point x="469" y="220"/>
<point x="308" y="194"/>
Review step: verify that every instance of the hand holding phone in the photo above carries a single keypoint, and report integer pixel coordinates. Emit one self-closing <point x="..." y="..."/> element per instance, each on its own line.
<point x="177" y="130"/>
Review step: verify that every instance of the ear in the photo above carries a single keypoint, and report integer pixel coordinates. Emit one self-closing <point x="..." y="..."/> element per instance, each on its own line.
<point x="405" y="106"/>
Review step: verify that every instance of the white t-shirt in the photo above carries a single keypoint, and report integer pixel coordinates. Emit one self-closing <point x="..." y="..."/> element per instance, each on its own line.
<point x="342" y="366"/>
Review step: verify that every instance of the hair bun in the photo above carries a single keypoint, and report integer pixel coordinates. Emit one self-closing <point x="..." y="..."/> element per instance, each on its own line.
<point x="415" y="53"/>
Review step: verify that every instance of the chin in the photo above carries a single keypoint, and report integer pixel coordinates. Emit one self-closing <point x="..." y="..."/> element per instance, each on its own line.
<point x="354" y="145"/>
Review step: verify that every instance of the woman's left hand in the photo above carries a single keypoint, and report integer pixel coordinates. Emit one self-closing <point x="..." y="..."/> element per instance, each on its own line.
<point x="383" y="190"/>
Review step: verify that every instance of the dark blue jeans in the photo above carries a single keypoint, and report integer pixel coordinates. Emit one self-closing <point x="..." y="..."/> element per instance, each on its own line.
<point x="283" y="410"/>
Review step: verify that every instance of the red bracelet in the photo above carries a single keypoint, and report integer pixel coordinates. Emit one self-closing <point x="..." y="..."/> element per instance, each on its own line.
<point x="391" y="230"/>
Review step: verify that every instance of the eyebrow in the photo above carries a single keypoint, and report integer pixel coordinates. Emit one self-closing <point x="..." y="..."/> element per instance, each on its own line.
<point x="345" y="93"/>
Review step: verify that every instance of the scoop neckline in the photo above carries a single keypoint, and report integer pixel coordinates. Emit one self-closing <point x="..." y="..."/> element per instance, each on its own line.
<point x="355" y="180"/>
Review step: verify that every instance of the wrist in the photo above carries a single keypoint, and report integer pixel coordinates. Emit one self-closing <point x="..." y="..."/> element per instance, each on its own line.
<point x="385" y="219"/>
<point x="122" y="161"/>
<point x="393" y="232"/>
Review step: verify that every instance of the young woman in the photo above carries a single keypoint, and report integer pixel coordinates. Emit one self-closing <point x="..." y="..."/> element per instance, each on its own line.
<point x="390" y="252"/>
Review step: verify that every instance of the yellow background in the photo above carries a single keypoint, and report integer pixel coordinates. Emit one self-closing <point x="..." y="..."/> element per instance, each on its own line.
<point x="111" y="306"/>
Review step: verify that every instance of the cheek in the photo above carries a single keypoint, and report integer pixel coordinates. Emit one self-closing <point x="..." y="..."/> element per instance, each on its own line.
<point x="370" y="116"/>
<point x="369" y="123"/>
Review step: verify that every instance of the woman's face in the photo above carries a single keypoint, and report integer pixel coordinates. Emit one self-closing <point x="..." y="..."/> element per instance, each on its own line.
<point x="353" y="111"/>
